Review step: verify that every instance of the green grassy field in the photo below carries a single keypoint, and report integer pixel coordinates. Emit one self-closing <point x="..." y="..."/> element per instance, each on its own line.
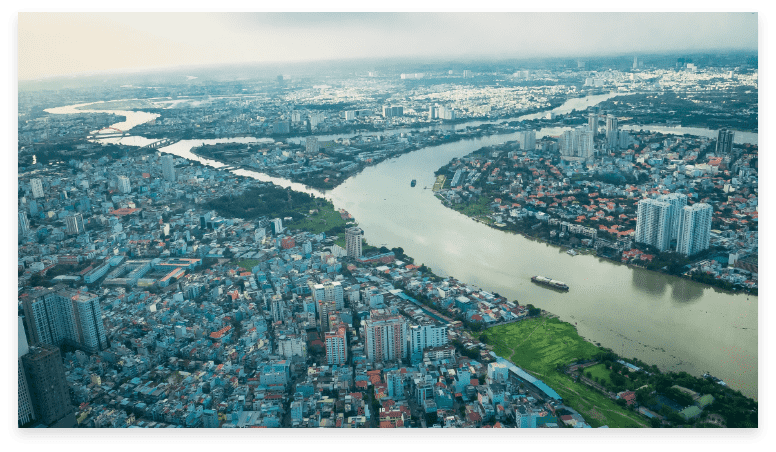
<point x="599" y="371"/>
<point x="479" y="208"/>
<point x="440" y="180"/>
<point x="538" y="346"/>
<point x="326" y="218"/>
<point x="247" y="264"/>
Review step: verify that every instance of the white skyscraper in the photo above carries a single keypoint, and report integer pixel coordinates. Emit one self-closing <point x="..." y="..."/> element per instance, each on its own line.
<point x="24" y="224"/>
<point x="168" y="167"/>
<point x="694" y="229"/>
<point x="311" y="145"/>
<point x="586" y="143"/>
<point x="91" y="329"/>
<point x="527" y="140"/>
<point x="75" y="224"/>
<point x="277" y="225"/>
<point x="336" y="346"/>
<point x="333" y="293"/>
<point x="592" y="122"/>
<point x="425" y="336"/>
<point x="353" y="241"/>
<point x="277" y="308"/>
<point x="577" y="143"/>
<point x="611" y="132"/>
<point x="123" y="184"/>
<point x="37" y="188"/>
<point x="66" y="316"/>
<point x="653" y="224"/>
<point x="677" y="201"/>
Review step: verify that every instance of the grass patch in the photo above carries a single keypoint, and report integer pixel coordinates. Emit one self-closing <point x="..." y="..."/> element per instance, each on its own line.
<point x="325" y="219"/>
<point x="539" y="345"/>
<point x="599" y="371"/>
<point x="247" y="264"/>
<point x="440" y="180"/>
<point x="479" y="208"/>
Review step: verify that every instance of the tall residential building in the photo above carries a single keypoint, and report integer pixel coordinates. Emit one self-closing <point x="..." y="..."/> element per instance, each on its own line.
<point x="694" y="229"/>
<point x="336" y="346"/>
<point x="328" y="297"/>
<point x="386" y="336"/>
<point x="611" y="132"/>
<point x="577" y="143"/>
<point x="527" y="140"/>
<point x="277" y="307"/>
<point x="37" y="188"/>
<point x="24" y="224"/>
<point x="26" y="413"/>
<point x="277" y="225"/>
<point x="592" y="123"/>
<point x="677" y="202"/>
<point x="168" y="167"/>
<point x="311" y="145"/>
<point x="353" y="238"/>
<point x="653" y="224"/>
<point x="333" y="293"/>
<point x="724" y="141"/>
<point x="425" y="336"/>
<point x="75" y="224"/>
<point x="65" y="316"/>
<point x="46" y="379"/>
<point x="390" y="111"/>
<point x="89" y="324"/>
<point x="123" y="184"/>
<point x="467" y="74"/>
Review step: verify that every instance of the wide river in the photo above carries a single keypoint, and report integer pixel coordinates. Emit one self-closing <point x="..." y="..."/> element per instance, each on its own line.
<point x="674" y="323"/>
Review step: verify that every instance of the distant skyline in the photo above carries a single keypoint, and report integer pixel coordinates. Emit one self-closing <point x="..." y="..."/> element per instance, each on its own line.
<point x="58" y="44"/>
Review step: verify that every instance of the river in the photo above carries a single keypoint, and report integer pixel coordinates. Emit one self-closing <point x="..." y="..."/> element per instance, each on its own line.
<point x="674" y="323"/>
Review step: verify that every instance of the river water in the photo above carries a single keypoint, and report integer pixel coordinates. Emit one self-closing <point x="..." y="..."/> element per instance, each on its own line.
<point x="674" y="323"/>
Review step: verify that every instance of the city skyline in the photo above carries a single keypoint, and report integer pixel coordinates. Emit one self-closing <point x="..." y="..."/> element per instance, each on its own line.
<point x="69" y="44"/>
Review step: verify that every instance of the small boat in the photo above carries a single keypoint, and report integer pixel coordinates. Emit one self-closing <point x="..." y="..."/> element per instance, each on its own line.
<point x="571" y="252"/>
<point x="414" y="181"/>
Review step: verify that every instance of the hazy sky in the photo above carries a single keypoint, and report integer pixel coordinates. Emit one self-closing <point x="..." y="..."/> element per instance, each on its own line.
<point x="69" y="43"/>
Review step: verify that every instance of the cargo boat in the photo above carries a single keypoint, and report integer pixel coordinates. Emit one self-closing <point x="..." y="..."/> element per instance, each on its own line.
<point x="549" y="282"/>
<point x="414" y="181"/>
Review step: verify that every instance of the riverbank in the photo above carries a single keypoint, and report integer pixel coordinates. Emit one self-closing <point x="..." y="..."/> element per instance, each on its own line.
<point x="554" y="351"/>
<point x="644" y="314"/>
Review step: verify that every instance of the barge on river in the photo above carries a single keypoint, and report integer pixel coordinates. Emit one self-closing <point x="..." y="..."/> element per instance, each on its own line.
<point x="549" y="282"/>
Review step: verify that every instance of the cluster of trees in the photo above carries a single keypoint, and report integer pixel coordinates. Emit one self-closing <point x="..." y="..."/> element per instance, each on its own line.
<point x="734" y="407"/>
<point x="472" y="353"/>
<point x="269" y="201"/>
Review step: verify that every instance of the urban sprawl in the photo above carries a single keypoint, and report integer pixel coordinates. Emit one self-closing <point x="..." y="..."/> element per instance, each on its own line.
<point x="157" y="291"/>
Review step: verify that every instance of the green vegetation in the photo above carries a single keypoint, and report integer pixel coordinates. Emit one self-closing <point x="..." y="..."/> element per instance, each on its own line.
<point x="479" y="208"/>
<point x="248" y="264"/>
<point x="440" y="181"/>
<point x="324" y="220"/>
<point x="541" y="345"/>
<point x="268" y="200"/>
<point x="599" y="372"/>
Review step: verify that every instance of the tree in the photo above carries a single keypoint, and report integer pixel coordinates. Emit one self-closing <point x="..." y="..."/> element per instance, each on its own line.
<point x="484" y="338"/>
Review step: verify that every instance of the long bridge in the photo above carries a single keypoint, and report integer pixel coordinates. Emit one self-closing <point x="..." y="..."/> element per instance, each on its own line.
<point x="160" y="143"/>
